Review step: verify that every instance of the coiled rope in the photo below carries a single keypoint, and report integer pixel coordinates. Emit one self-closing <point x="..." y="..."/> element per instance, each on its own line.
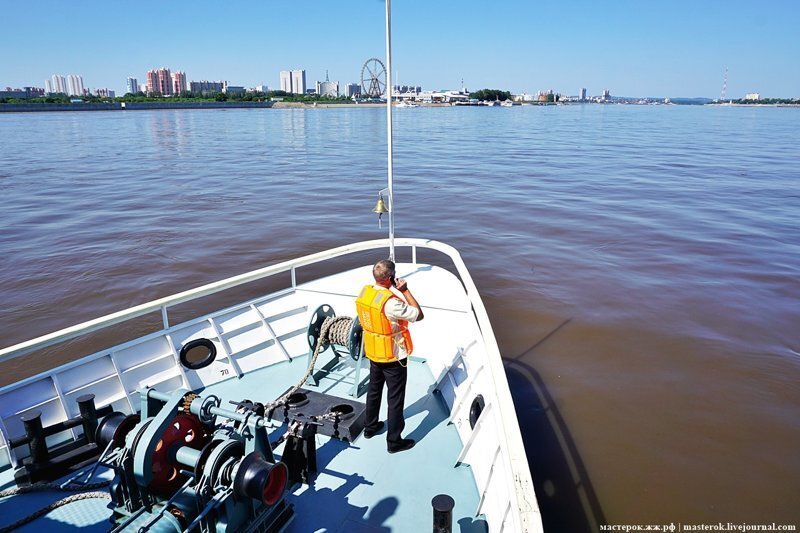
<point x="55" y="505"/>
<point x="334" y="330"/>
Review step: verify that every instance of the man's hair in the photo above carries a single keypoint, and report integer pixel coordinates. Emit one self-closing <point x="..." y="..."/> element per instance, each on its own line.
<point x="383" y="270"/>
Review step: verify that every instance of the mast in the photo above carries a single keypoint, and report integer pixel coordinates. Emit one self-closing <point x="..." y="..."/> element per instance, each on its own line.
<point x="389" y="124"/>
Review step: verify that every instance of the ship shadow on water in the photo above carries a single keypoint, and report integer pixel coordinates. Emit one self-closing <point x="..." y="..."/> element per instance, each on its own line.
<point x="564" y="491"/>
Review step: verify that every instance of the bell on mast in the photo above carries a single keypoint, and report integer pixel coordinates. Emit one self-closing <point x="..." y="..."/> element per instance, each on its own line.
<point x="380" y="207"/>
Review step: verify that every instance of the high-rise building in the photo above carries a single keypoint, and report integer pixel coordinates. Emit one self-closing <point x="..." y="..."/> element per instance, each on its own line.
<point x="293" y="81"/>
<point x="152" y="81"/>
<point x="75" y="85"/>
<point x="132" y="85"/>
<point x="71" y="85"/>
<point x="159" y="82"/>
<point x="165" y="80"/>
<point x="58" y="84"/>
<point x="286" y="81"/>
<point x="299" y="81"/>
<point x="179" y="82"/>
<point x="583" y="93"/>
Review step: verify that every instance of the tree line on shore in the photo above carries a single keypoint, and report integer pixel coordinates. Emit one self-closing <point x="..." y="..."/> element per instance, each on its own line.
<point x="186" y="96"/>
<point x="182" y="97"/>
<point x="490" y="94"/>
<point x="764" y="101"/>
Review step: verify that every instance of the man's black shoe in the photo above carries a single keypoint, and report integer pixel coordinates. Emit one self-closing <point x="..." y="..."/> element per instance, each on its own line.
<point x="405" y="444"/>
<point x="369" y="433"/>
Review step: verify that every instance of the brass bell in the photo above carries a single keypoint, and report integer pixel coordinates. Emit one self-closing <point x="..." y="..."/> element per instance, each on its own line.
<point x="380" y="207"/>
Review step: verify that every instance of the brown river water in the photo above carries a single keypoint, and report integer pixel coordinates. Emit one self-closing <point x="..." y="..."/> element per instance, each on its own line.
<point x="640" y="265"/>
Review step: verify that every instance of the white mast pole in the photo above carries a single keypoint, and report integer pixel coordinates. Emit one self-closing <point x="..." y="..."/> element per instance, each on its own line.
<point x="389" y="123"/>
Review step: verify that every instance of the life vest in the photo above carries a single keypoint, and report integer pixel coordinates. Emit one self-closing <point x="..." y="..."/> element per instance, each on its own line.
<point x="379" y="340"/>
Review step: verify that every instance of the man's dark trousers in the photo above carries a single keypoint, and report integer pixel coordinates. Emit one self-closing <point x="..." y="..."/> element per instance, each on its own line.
<point x="395" y="375"/>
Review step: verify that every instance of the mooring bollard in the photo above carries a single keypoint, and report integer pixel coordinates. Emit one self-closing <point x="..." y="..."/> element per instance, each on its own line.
<point x="443" y="513"/>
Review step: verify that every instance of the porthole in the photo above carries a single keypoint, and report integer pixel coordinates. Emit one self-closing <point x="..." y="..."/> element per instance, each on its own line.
<point x="198" y="354"/>
<point x="475" y="410"/>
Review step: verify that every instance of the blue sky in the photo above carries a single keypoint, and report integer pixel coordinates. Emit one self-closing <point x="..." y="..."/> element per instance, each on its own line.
<point x="632" y="48"/>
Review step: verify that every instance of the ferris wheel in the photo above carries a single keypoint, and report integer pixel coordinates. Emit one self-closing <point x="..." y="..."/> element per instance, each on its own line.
<point x="373" y="78"/>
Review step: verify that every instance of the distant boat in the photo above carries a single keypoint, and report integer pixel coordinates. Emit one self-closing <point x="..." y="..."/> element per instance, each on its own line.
<point x="406" y="104"/>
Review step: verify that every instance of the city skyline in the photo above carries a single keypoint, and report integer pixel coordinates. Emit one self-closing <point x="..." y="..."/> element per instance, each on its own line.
<point x="672" y="51"/>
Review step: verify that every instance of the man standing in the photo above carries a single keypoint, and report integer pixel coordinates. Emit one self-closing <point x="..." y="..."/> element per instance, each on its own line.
<point x="387" y="344"/>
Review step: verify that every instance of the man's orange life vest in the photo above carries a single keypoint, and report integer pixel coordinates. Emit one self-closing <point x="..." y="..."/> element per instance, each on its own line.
<point x="379" y="341"/>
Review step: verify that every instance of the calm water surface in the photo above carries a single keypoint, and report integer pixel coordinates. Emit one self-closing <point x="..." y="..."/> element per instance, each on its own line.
<point x="640" y="265"/>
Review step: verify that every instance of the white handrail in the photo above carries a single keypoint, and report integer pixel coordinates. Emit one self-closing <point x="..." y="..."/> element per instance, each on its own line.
<point x="515" y="458"/>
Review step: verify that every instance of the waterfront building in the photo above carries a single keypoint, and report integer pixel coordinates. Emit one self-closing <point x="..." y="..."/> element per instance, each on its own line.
<point x="262" y="88"/>
<point x="293" y="81"/>
<point x="328" y="88"/>
<point x="352" y="89"/>
<point x="286" y="81"/>
<point x="12" y="93"/>
<point x="57" y="85"/>
<point x="233" y="89"/>
<point x="25" y="92"/>
<point x="752" y="96"/>
<point x="444" y="96"/>
<point x="159" y="82"/>
<point x="207" y="87"/>
<point x="179" y="82"/>
<point x="165" y="81"/>
<point x="299" y="81"/>
<point x="400" y="89"/>
<point x="406" y="92"/>
<point x="152" y="81"/>
<point x="132" y="85"/>
<point x="75" y="85"/>
<point x="105" y="93"/>
<point x="583" y="94"/>
<point x="545" y="96"/>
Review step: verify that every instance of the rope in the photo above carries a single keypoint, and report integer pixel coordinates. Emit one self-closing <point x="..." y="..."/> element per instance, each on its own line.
<point x="333" y="330"/>
<point x="340" y="331"/>
<point x="39" y="487"/>
<point x="55" y="505"/>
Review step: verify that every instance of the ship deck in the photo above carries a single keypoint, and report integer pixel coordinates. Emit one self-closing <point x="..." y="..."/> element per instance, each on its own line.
<point x="359" y="486"/>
